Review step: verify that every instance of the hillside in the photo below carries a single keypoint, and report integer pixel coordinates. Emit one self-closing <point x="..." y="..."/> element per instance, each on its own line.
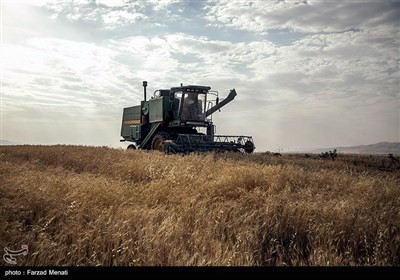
<point x="378" y="148"/>
<point x="6" y="142"/>
<point x="75" y="205"/>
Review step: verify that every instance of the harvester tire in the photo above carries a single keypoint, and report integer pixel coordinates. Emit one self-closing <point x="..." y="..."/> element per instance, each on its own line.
<point x="131" y="147"/>
<point x="248" y="147"/>
<point x="158" y="141"/>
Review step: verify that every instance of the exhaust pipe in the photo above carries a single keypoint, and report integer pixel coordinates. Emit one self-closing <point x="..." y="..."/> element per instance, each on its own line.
<point x="144" y="88"/>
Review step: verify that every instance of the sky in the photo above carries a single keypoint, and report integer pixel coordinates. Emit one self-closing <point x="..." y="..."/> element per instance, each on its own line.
<point x="308" y="74"/>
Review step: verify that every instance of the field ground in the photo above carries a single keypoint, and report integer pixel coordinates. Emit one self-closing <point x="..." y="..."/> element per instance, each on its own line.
<point x="76" y="205"/>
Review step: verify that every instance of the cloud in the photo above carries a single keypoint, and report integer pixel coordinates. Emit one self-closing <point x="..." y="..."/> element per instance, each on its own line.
<point x="302" y="16"/>
<point x="63" y="72"/>
<point x="112" y="3"/>
<point x="120" y="18"/>
<point x="110" y="14"/>
<point x="315" y="74"/>
<point x="162" y="5"/>
<point x="79" y="69"/>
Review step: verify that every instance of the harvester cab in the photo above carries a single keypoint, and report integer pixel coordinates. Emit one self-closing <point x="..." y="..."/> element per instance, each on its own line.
<point x="180" y="120"/>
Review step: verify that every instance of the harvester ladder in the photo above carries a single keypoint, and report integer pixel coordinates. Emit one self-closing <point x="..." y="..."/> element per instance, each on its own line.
<point x="149" y="135"/>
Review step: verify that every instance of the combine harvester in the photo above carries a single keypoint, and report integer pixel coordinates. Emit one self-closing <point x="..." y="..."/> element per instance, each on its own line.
<point x="179" y="120"/>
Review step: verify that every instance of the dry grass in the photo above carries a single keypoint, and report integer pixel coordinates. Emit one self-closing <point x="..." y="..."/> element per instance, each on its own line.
<point x="76" y="205"/>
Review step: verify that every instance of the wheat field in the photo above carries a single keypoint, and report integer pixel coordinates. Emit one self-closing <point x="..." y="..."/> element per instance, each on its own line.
<point x="90" y="206"/>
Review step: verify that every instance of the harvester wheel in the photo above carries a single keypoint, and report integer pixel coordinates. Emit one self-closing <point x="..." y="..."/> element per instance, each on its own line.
<point x="158" y="140"/>
<point x="248" y="147"/>
<point x="131" y="147"/>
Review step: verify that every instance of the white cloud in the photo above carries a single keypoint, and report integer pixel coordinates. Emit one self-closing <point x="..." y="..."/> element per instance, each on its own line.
<point x="302" y="16"/>
<point x="79" y="74"/>
<point x="160" y="5"/>
<point x="112" y="3"/>
<point x="287" y="80"/>
<point x="64" y="92"/>
<point x="119" y="18"/>
<point x="111" y="14"/>
<point x="331" y="87"/>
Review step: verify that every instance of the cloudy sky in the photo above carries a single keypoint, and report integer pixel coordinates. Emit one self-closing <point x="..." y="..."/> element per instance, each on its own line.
<point x="307" y="73"/>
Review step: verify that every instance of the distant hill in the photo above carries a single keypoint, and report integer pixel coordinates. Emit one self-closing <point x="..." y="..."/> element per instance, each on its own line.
<point x="6" y="142"/>
<point x="378" y="148"/>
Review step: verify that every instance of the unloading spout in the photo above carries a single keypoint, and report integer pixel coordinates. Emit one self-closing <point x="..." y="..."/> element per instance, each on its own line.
<point x="228" y="99"/>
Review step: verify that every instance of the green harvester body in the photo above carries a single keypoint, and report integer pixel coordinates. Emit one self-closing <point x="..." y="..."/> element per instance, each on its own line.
<point x="179" y="120"/>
